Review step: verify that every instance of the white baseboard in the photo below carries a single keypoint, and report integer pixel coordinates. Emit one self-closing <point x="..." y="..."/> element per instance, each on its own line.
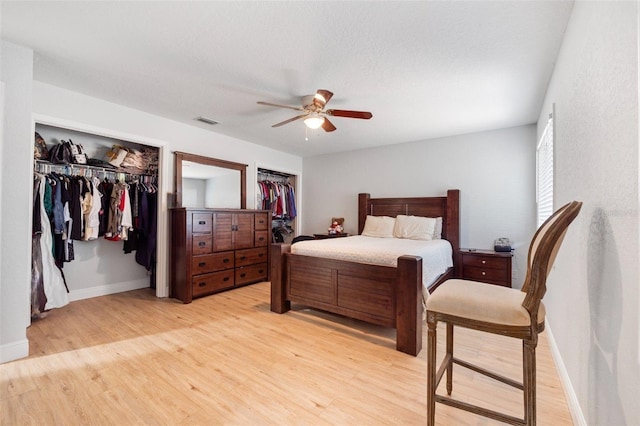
<point x="103" y="290"/>
<point x="14" y="350"/>
<point x="569" y="393"/>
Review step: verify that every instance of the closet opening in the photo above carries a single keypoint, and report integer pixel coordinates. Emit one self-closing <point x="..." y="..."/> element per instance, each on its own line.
<point x="98" y="219"/>
<point x="278" y="191"/>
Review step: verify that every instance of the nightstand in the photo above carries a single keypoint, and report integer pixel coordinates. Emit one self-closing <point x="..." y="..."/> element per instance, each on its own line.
<point x="486" y="266"/>
<point x="325" y="236"/>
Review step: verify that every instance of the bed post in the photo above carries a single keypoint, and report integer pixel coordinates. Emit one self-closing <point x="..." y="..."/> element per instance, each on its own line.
<point x="363" y="210"/>
<point x="453" y="226"/>
<point x="278" y="270"/>
<point x="409" y="305"/>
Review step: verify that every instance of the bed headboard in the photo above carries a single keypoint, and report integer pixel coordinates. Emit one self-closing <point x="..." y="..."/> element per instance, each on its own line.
<point x="448" y="207"/>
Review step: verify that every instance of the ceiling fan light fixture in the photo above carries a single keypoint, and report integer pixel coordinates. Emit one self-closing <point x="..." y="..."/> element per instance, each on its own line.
<point x="314" y="121"/>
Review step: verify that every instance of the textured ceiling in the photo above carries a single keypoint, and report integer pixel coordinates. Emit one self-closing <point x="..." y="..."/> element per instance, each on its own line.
<point x="424" y="69"/>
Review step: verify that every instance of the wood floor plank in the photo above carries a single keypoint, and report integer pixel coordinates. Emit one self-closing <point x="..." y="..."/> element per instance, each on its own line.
<point x="130" y="358"/>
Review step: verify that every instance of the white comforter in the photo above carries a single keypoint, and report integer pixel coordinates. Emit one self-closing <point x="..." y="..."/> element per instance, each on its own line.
<point x="436" y="254"/>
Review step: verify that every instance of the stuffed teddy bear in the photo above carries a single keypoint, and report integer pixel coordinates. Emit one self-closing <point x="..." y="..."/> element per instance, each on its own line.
<point x="336" y="226"/>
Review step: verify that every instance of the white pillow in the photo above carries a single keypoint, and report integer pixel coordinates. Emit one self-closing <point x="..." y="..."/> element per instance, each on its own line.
<point x="379" y="226"/>
<point x="414" y="227"/>
<point x="437" y="233"/>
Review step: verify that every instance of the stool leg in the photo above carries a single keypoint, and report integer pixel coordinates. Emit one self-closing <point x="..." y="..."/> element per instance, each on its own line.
<point x="529" y="367"/>
<point x="431" y="370"/>
<point x="450" y="354"/>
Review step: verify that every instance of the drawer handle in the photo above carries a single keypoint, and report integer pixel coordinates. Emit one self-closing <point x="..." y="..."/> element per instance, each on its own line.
<point x="202" y="222"/>
<point x="201" y="264"/>
<point x="202" y="284"/>
<point x="261" y="239"/>
<point x="261" y="254"/>
<point x="225" y="260"/>
<point x="484" y="261"/>
<point x="484" y="273"/>
<point x="225" y="279"/>
<point x="243" y="275"/>
<point x="202" y="244"/>
<point x="243" y="257"/>
<point x="261" y="271"/>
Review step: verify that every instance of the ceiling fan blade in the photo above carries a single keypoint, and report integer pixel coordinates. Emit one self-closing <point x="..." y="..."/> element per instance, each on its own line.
<point x="328" y="126"/>
<point x="279" y="106"/>
<point x="326" y="94"/>
<point x="289" y="120"/>
<point x="350" y="114"/>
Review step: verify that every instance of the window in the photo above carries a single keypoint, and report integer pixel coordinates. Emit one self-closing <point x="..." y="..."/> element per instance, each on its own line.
<point x="544" y="173"/>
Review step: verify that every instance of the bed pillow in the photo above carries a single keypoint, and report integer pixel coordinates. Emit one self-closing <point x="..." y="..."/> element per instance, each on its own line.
<point x="437" y="233"/>
<point x="414" y="227"/>
<point x="379" y="226"/>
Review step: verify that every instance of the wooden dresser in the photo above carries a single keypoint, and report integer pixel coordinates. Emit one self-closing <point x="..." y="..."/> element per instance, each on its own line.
<point x="486" y="266"/>
<point x="217" y="249"/>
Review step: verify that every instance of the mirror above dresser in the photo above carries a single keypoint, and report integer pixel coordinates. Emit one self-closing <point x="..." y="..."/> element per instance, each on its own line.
<point x="205" y="182"/>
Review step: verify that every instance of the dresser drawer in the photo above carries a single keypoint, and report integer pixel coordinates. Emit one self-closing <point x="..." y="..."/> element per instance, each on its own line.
<point x="485" y="261"/>
<point x="208" y="283"/>
<point x="212" y="262"/>
<point x="251" y="256"/>
<point x="253" y="273"/>
<point x="201" y="222"/>
<point x="496" y="276"/>
<point x="262" y="239"/>
<point x="261" y="222"/>
<point x="202" y="244"/>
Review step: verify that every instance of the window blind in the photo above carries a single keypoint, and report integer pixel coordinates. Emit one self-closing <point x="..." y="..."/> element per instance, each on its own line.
<point x="544" y="173"/>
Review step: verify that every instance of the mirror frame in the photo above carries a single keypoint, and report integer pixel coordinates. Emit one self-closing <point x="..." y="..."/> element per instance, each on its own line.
<point x="183" y="156"/>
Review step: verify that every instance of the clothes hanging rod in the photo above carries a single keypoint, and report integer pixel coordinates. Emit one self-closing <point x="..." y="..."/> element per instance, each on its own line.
<point x="274" y="173"/>
<point x="41" y="163"/>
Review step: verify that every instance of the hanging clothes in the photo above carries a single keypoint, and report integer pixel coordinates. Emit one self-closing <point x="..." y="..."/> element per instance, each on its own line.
<point x="45" y="272"/>
<point x="278" y="197"/>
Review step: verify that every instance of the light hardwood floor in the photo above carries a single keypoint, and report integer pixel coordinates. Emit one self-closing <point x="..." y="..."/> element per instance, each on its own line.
<point x="131" y="358"/>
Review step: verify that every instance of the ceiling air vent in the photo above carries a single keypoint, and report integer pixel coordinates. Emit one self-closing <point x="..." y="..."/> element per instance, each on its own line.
<point x="206" y="121"/>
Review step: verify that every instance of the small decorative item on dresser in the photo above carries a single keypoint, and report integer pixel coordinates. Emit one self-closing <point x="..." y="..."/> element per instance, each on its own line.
<point x="486" y="266"/>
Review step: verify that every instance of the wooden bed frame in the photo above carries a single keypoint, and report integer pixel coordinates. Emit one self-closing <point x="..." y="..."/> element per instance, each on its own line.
<point x="383" y="295"/>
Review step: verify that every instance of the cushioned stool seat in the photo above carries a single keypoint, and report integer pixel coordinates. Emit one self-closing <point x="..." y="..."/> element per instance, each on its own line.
<point x="482" y="302"/>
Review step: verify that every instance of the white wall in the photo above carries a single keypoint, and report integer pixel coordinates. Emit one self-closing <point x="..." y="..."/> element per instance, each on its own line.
<point x="495" y="172"/>
<point x="15" y="264"/>
<point x="222" y="190"/>
<point x="193" y="192"/>
<point x="592" y="300"/>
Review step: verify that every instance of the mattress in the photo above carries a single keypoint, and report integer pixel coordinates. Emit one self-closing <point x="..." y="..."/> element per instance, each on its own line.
<point x="437" y="255"/>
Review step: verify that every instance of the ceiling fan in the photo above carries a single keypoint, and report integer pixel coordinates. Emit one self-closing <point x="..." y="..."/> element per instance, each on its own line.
<point x="315" y="115"/>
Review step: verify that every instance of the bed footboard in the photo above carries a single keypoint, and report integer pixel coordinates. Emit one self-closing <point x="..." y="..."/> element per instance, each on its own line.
<point x="386" y="296"/>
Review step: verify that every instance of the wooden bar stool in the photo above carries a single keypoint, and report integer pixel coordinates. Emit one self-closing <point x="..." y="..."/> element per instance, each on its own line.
<point x="499" y="310"/>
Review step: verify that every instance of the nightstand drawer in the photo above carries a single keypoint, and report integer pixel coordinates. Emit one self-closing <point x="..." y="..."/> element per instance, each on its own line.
<point x="485" y="261"/>
<point x="497" y="276"/>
